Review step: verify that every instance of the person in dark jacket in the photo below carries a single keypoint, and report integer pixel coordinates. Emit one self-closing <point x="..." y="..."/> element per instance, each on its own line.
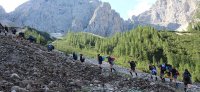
<point x="153" y="71"/>
<point x="162" y="71"/>
<point x="175" y="74"/>
<point x="82" y="59"/>
<point x="50" y="47"/>
<point x="74" y="55"/>
<point x="133" y="66"/>
<point x="31" y="39"/>
<point x="187" y="78"/>
<point x="100" y="60"/>
<point x="14" y="31"/>
<point x="6" y="30"/>
<point x="168" y="71"/>
<point x="21" y="35"/>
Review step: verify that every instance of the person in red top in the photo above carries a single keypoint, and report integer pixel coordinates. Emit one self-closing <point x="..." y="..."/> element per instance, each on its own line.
<point x="111" y="62"/>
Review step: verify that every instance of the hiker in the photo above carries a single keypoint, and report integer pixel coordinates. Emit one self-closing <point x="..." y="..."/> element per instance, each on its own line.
<point x="1" y="28"/>
<point x="150" y="70"/>
<point x="14" y="31"/>
<point x="168" y="71"/>
<point x="133" y="65"/>
<point x="100" y="60"/>
<point x="6" y="30"/>
<point x="31" y="39"/>
<point x="111" y="62"/>
<point x="82" y="59"/>
<point x="21" y="35"/>
<point x="153" y="71"/>
<point x="175" y="74"/>
<point x="187" y="79"/>
<point x="50" y="47"/>
<point x="162" y="71"/>
<point x="75" y="57"/>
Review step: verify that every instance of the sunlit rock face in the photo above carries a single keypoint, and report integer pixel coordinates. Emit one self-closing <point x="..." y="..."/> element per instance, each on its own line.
<point x="170" y="14"/>
<point x="60" y="16"/>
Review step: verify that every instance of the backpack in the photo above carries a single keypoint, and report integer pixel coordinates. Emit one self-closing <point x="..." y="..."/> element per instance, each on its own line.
<point x="186" y="75"/>
<point x="154" y="71"/>
<point x="101" y="58"/>
<point x="168" y="68"/>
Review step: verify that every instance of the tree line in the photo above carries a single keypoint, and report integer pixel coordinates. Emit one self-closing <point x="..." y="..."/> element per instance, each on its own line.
<point x="142" y="44"/>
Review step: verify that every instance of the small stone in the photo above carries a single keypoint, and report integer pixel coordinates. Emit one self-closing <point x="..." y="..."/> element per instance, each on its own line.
<point x="14" y="75"/>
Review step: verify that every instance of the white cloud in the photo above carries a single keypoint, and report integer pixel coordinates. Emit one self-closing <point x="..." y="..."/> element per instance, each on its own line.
<point x="141" y="7"/>
<point x="10" y="5"/>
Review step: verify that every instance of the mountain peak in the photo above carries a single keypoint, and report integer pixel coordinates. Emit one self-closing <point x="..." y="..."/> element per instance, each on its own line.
<point x="59" y="16"/>
<point x="170" y="14"/>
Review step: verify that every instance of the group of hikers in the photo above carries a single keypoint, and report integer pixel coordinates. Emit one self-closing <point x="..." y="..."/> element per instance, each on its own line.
<point x="166" y="70"/>
<point x="172" y="73"/>
<point x="4" y="30"/>
<point x="13" y="32"/>
<point x="75" y="57"/>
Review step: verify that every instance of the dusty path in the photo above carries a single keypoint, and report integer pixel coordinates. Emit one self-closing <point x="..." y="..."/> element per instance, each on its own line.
<point x="146" y="76"/>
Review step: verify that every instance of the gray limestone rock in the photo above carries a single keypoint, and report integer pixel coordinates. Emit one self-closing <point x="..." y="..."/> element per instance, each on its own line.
<point x="170" y="14"/>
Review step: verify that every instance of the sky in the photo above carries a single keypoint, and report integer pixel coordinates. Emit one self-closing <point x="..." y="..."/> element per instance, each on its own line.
<point x="126" y="8"/>
<point x="10" y="5"/>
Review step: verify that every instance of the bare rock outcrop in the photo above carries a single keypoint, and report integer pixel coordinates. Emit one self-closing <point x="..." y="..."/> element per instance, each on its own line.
<point x="60" y="16"/>
<point x="169" y="14"/>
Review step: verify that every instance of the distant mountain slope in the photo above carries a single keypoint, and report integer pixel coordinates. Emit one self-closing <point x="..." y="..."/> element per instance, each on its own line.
<point x="170" y="14"/>
<point x="2" y="12"/>
<point x="94" y="16"/>
<point x="62" y="15"/>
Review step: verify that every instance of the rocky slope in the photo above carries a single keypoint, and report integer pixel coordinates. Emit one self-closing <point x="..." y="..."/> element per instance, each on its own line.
<point x="59" y="16"/>
<point x="170" y="14"/>
<point x="28" y="67"/>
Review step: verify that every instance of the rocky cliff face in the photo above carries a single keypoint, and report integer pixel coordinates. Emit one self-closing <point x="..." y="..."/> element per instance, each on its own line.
<point x="105" y="19"/>
<point x="59" y="16"/>
<point x="2" y="12"/>
<point x="4" y="17"/>
<point x="170" y="14"/>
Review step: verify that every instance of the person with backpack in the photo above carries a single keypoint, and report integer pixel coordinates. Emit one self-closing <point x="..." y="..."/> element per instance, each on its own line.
<point x="187" y="79"/>
<point x="21" y="35"/>
<point x="168" y="71"/>
<point x="6" y="30"/>
<point x="50" y="47"/>
<point x="100" y="60"/>
<point x="162" y="71"/>
<point x="133" y="66"/>
<point x="82" y="59"/>
<point x="175" y="74"/>
<point x="74" y="55"/>
<point x="111" y="62"/>
<point x="150" y="70"/>
<point x="14" y="31"/>
<point x="31" y="39"/>
<point x="154" y="72"/>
